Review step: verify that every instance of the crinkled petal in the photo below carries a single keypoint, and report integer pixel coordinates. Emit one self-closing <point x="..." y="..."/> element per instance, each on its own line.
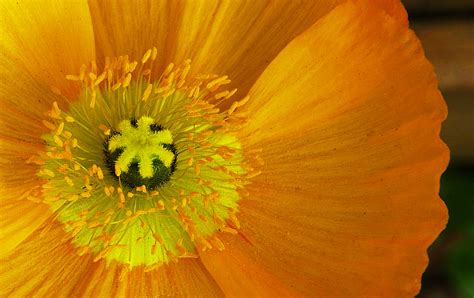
<point x="49" y="39"/>
<point x="236" y="38"/>
<point x="348" y="117"/>
<point x="48" y="263"/>
<point x="41" y="43"/>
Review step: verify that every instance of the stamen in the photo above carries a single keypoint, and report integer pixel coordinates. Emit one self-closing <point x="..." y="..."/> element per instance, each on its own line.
<point x="145" y="169"/>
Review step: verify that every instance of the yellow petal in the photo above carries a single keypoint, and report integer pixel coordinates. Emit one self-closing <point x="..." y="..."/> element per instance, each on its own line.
<point x="41" y="43"/>
<point x="348" y="117"/>
<point x="50" y="39"/>
<point x="237" y="38"/>
<point x="48" y="263"/>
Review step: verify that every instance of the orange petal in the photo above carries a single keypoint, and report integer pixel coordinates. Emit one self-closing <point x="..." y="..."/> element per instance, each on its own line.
<point x="239" y="275"/>
<point x="50" y="39"/>
<point x="20" y="210"/>
<point x="187" y="278"/>
<point x="40" y="264"/>
<point x="41" y="43"/>
<point x="19" y="218"/>
<point x="48" y="263"/>
<point x="348" y="117"/>
<point x="236" y="38"/>
<point x="132" y="27"/>
<point x="38" y="51"/>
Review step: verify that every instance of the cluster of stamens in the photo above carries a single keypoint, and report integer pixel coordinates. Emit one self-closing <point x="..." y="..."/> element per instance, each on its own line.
<point x="113" y="217"/>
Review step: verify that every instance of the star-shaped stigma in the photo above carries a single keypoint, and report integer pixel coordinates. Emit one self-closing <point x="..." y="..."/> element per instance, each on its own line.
<point x="142" y="144"/>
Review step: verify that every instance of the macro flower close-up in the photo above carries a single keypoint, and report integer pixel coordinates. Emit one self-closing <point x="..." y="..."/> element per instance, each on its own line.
<point x="216" y="148"/>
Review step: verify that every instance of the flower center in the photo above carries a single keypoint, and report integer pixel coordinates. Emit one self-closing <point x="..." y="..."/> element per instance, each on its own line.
<point x="141" y="169"/>
<point x="141" y="152"/>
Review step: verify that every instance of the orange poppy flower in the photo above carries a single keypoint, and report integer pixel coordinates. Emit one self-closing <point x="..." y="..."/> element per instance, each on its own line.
<point x="280" y="148"/>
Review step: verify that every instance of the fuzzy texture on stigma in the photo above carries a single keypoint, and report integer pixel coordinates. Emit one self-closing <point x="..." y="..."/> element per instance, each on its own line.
<point x="141" y="152"/>
<point x="145" y="172"/>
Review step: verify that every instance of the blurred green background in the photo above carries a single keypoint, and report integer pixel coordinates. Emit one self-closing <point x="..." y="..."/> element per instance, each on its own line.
<point x="446" y="29"/>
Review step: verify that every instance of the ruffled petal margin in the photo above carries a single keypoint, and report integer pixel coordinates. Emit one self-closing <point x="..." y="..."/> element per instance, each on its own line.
<point x="308" y="181"/>
<point x="348" y="117"/>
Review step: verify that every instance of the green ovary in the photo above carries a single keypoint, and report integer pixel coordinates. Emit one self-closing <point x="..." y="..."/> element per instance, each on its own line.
<point x="141" y="153"/>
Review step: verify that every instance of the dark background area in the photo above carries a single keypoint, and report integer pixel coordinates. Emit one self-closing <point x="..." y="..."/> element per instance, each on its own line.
<point x="446" y="29"/>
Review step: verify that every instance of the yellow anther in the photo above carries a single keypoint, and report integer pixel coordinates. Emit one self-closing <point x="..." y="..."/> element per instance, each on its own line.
<point x="73" y="197"/>
<point x="116" y="86"/>
<point x="221" y="94"/>
<point x="147" y="92"/>
<point x="49" y="125"/>
<point x="154" y="53"/>
<point x="48" y="172"/>
<point x="67" y="134"/>
<point x="169" y="92"/>
<point x="100" y="78"/>
<point x="160" y="205"/>
<point x="56" y="108"/>
<point x="216" y="82"/>
<point x="104" y="129"/>
<point x="229" y="230"/>
<point x="118" y="171"/>
<point x="86" y="180"/>
<point x="60" y="128"/>
<point x="121" y="197"/>
<point x="73" y="78"/>
<point x="231" y="93"/>
<point x="168" y="69"/>
<point x="185" y="72"/>
<point x="100" y="174"/>
<point x="233" y="107"/>
<point x="86" y="194"/>
<point x="234" y="220"/>
<point x="141" y="188"/>
<point x="58" y="141"/>
<point x="126" y="81"/>
<point x="132" y="66"/>
<point x="35" y="160"/>
<point x="69" y="181"/>
<point x="146" y="56"/>
<point x="107" y="191"/>
<point x="243" y="101"/>
<point x="190" y="161"/>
